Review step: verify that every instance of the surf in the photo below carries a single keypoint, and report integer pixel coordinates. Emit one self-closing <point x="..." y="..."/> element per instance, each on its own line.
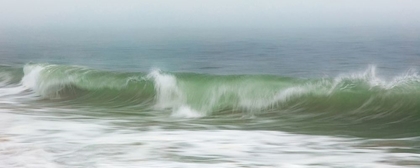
<point x="356" y="96"/>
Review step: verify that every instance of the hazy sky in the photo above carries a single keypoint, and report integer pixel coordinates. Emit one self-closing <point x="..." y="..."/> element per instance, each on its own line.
<point x="29" y="14"/>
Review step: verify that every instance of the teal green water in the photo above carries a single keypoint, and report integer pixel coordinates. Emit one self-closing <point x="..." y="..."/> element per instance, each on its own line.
<point x="244" y="101"/>
<point x="357" y="99"/>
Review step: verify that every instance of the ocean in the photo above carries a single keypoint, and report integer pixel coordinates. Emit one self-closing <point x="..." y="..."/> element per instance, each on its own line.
<point x="342" y="98"/>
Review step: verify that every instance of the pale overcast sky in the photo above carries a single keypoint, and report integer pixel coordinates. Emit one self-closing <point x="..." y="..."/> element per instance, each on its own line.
<point x="207" y="13"/>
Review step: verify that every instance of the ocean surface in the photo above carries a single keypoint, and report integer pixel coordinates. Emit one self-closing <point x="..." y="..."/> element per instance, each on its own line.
<point x="297" y="99"/>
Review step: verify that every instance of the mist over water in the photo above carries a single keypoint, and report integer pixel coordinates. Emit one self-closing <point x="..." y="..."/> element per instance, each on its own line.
<point x="319" y="52"/>
<point x="197" y="102"/>
<point x="209" y="84"/>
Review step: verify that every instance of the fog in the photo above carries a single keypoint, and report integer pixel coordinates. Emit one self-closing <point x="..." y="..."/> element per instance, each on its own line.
<point x="237" y="14"/>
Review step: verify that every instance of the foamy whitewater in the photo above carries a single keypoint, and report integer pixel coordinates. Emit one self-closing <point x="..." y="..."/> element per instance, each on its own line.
<point x="295" y="99"/>
<point x="74" y="116"/>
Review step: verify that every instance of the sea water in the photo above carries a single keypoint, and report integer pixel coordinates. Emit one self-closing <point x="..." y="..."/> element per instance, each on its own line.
<point x="321" y="98"/>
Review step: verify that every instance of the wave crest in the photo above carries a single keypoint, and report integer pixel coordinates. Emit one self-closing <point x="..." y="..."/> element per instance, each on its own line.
<point x="361" y="95"/>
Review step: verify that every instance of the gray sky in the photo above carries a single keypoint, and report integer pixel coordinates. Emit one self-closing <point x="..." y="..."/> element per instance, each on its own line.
<point x="116" y="14"/>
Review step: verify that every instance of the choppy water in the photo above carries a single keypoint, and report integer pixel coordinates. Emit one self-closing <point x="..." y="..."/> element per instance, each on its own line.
<point x="334" y="101"/>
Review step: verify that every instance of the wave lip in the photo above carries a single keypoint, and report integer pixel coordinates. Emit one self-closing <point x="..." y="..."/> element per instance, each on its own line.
<point x="356" y="96"/>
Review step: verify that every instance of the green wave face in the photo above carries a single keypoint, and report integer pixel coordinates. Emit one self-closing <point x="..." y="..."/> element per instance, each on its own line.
<point x="10" y="75"/>
<point x="353" y="98"/>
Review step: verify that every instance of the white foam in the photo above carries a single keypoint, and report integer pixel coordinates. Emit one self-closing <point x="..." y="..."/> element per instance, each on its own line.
<point x="12" y="91"/>
<point x="31" y="76"/>
<point x="168" y="94"/>
<point x="6" y="91"/>
<point x="186" y="112"/>
<point x="406" y="78"/>
<point x="60" y="142"/>
<point x="370" y="77"/>
<point x="35" y="78"/>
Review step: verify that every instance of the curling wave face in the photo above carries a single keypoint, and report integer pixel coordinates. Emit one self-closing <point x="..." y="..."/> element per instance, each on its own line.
<point x="353" y="97"/>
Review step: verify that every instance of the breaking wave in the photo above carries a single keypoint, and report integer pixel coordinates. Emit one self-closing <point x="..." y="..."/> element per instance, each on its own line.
<point x="359" y="96"/>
